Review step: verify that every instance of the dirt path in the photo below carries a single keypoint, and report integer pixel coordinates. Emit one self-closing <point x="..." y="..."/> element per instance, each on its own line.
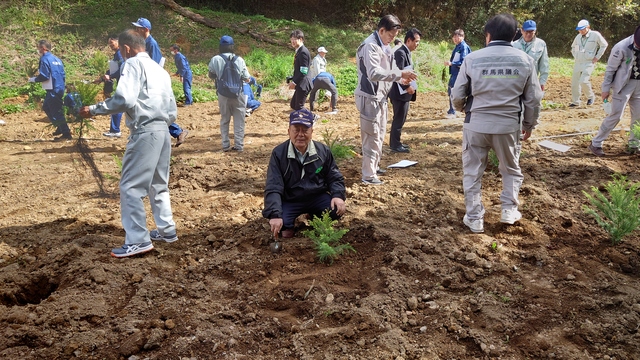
<point x="421" y="286"/>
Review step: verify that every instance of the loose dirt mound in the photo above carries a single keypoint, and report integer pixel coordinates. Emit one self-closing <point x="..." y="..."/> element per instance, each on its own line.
<point x="421" y="286"/>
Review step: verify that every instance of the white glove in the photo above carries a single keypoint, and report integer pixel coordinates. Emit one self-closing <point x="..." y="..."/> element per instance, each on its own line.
<point x="32" y="79"/>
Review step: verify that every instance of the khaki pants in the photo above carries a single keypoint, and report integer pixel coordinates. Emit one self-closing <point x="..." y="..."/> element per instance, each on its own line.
<point x="630" y="94"/>
<point x="475" y="150"/>
<point x="581" y="81"/>
<point x="373" y="127"/>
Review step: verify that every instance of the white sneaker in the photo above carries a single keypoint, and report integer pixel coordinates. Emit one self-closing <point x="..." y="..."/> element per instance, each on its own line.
<point x="510" y="216"/>
<point x="451" y="116"/>
<point x="477" y="226"/>
<point x="112" y="134"/>
<point x="332" y="112"/>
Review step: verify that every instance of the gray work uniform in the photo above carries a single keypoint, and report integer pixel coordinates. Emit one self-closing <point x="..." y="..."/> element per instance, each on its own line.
<point x="235" y="107"/>
<point x="584" y="49"/>
<point x="144" y="94"/>
<point x="620" y="80"/>
<point x="537" y="49"/>
<point x="375" y="78"/>
<point x="498" y="89"/>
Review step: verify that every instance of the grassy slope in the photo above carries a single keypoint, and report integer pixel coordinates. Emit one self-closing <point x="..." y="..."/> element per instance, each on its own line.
<point x="79" y="29"/>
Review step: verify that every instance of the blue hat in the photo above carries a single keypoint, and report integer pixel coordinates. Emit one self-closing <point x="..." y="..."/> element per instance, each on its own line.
<point x="302" y="117"/>
<point x="226" y="40"/>
<point x="143" y="23"/>
<point x="529" y="25"/>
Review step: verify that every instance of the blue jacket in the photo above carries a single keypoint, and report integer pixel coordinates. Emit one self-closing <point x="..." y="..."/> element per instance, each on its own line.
<point x="457" y="57"/>
<point x="118" y="58"/>
<point x="52" y="68"/>
<point x="325" y="74"/>
<point x="152" y="48"/>
<point x="182" y="64"/>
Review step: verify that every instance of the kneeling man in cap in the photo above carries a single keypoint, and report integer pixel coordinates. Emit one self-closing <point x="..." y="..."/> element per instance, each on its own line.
<point x="302" y="178"/>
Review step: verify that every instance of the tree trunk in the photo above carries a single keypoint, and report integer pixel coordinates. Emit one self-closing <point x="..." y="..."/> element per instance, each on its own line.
<point x="215" y="24"/>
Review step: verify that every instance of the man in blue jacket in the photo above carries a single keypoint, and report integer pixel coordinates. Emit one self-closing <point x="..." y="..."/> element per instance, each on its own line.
<point x="113" y="74"/>
<point x="143" y="27"/>
<point x="302" y="178"/>
<point x="457" y="57"/>
<point x="325" y="81"/>
<point x="252" y="100"/>
<point x="184" y="72"/>
<point x="52" y="76"/>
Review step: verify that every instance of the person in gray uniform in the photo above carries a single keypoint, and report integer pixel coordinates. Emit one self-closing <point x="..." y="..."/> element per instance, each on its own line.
<point x="499" y="91"/>
<point x="144" y="94"/>
<point x="622" y="82"/>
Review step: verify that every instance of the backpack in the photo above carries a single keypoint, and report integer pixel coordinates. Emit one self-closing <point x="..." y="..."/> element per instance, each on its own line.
<point x="229" y="83"/>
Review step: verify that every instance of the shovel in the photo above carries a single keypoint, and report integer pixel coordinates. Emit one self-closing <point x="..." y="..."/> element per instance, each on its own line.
<point x="275" y="246"/>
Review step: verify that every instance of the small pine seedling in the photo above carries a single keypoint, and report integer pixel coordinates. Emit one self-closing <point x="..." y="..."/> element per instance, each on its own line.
<point x="339" y="148"/>
<point x="618" y="215"/>
<point x="326" y="238"/>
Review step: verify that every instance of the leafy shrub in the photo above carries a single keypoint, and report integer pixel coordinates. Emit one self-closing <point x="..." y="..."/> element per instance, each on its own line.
<point x="7" y="109"/>
<point x="493" y="158"/>
<point x="326" y="238"/>
<point x="347" y="79"/>
<point x="271" y="70"/>
<point x="618" y="215"/>
<point x="98" y="63"/>
<point x="339" y="147"/>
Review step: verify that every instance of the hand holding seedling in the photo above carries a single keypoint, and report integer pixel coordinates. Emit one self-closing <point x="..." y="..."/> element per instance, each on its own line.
<point x="84" y="112"/>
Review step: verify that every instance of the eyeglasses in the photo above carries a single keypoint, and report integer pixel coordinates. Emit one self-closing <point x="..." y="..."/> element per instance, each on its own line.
<point x="301" y="130"/>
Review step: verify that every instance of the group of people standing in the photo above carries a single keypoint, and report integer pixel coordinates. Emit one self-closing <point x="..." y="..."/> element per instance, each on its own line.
<point x="499" y="88"/>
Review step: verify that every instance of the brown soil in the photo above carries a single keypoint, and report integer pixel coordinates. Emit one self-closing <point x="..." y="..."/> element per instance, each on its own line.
<point x="421" y="285"/>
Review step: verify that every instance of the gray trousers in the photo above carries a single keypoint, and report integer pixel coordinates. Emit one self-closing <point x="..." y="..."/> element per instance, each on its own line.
<point x="373" y="127"/>
<point x="235" y="107"/>
<point x="145" y="172"/>
<point x="630" y="94"/>
<point x="323" y="83"/>
<point x="581" y="81"/>
<point x="475" y="150"/>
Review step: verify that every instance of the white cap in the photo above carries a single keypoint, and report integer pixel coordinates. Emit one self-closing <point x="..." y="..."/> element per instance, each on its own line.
<point x="582" y="24"/>
<point x="321" y="49"/>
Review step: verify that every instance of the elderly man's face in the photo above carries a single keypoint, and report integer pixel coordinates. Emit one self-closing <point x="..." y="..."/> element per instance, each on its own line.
<point x="584" y="31"/>
<point x="528" y="35"/>
<point x="300" y="136"/>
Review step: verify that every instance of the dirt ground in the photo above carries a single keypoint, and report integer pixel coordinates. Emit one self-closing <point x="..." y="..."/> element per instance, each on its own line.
<point x="421" y="285"/>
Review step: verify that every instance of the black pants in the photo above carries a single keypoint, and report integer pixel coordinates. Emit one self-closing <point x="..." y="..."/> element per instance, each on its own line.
<point x="400" y="111"/>
<point x="299" y="98"/>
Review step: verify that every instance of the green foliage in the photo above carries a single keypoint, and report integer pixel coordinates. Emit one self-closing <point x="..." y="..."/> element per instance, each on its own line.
<point x="88" y="92"/>
<point x="118" y="162"/>
<point x="31" y="67"/>
<point x="270" y="69"/>
<point x="619" y="214"/>
<point x="326" y="238"/>
<point x="98" y="63"/>
<point x="346" y="79"/>
<point x="550" y="105"/>
<point x="339" y="147"/>
<point x="493" y="158"/>
<point x="10" y="108"/>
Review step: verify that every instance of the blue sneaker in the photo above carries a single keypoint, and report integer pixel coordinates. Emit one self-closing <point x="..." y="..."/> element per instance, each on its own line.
<point x="132" y="249"/>
<point x="155" y="236"/>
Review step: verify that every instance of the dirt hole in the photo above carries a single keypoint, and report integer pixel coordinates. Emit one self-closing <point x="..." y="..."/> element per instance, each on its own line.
<point x="32" y="293"/>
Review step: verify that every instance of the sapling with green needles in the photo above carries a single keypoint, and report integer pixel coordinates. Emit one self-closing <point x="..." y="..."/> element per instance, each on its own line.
<point x="619" y="213"/>
<point x="326" y="238"/>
